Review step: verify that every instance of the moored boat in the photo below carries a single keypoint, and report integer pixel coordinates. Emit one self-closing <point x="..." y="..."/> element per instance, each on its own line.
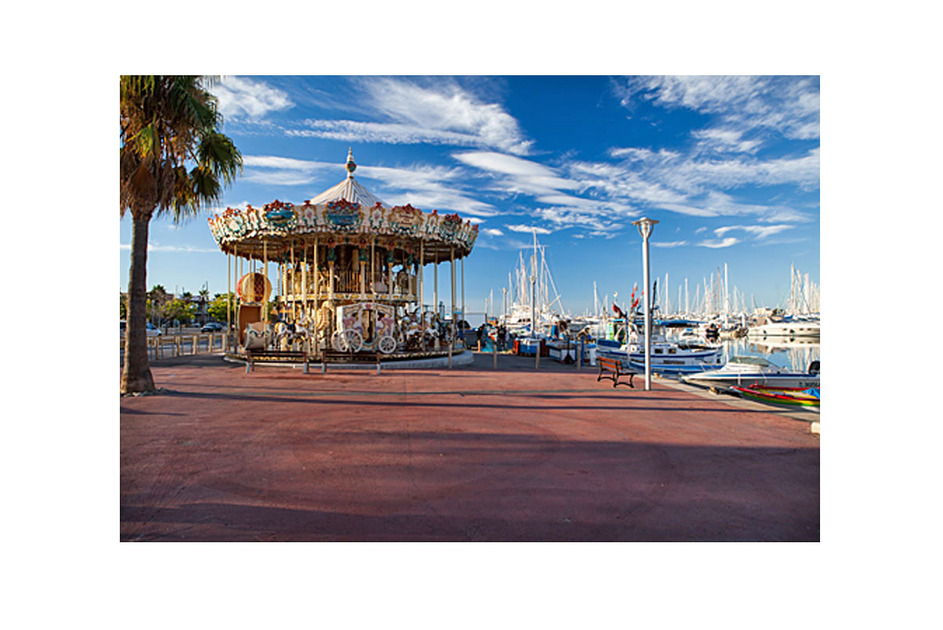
<point x="743" y="371"/>
<point x="792" y="328"/>
<point x="665" y="356"/>
<point x="810" y="397"/>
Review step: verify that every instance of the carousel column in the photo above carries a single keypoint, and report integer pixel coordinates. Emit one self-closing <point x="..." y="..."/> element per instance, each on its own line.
<point x="264" y="273"/>
<point x="228" y="300"/>
<point x="237" y="268"/>
<point x="463" y="301"/>
<point x="435" y="298"/>
<point x="280" y="286"/>
<point x="331" y="259"/>
<point x="316" y="270"/>
<point x="422" y="289"/>
<point x="390" y="258"/>
<point x="304" y="283"/>
<point x="411" y="280"/>
<point x="317" y="293"/>
<point x="452" y="294"/>
<point x="290" y="284"/>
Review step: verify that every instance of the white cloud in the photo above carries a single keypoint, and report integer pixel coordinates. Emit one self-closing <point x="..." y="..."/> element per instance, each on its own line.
<point x="692" y="185"/>
<point x="185" y="249"/>
<point x="669" y="244"/>
<point x="439" y="112"/>
<point x="281" y="171"/>
<point x="517" y="175"/>
<point x="244" y="98"/>
<point x="492" y="232"/>
<point x="760" y="231"/>
<point x="428" y="187"/>
<point x="785" y="105"/>
<point x="274" y="161"/>
<point x="447" y="107"/>
<point x="530" y="229"/>
<point x="727" y="242"/>
<point x="717" y="140"/>
<point x="387" y="133"/>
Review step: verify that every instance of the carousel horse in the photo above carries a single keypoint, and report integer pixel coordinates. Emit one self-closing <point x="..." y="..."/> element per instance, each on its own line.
<point x="287" y="335"/>
<point x="412" y="332"/>
<point x="259" y="336"/>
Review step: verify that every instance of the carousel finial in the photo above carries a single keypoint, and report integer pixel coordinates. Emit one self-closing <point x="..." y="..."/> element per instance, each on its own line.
<point x="351" y="167"/>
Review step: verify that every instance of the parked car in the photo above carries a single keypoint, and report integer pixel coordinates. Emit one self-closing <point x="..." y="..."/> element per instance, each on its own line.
<point x="152" y="330"/>
<point x="212" y="327"/>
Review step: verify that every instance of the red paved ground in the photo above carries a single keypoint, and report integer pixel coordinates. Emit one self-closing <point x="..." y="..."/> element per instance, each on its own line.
<point x="468" y="454"/>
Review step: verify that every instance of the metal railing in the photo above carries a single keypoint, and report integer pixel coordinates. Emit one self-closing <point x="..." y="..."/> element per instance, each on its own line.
<point x="166" y="346"/>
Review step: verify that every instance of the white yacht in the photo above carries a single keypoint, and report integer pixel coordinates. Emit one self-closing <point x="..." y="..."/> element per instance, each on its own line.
<point x="744" y="371"/>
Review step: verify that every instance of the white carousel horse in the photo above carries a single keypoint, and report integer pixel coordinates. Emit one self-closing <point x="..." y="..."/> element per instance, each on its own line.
<point x="287" y="335"/>
<point x="259" y="335"/>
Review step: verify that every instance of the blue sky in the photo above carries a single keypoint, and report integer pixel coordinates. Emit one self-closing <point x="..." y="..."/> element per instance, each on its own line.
<point x="729" y="166"/>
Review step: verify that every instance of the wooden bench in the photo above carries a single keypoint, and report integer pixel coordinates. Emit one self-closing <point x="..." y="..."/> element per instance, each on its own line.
<point x="611" y="368"/>
<point x="275" y="356"/>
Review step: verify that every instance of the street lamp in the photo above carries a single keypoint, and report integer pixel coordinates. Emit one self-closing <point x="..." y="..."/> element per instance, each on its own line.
<point x="533" y="306"/>
<point x="645" y="227"/>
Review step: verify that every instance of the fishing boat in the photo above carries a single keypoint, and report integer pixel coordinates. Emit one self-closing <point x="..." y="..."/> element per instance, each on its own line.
<point x="670" y="357"/>
<point x="743" y="371"/>
<point x="803" y="398"/>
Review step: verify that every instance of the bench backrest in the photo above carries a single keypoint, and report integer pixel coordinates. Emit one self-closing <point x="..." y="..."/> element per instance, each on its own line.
<point x="611" y="364"/>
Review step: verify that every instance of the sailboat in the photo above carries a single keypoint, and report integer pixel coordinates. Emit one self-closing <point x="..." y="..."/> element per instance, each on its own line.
<point x="536" y="318"/>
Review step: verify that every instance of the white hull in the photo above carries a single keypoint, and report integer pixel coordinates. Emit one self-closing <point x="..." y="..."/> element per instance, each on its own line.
<point x="744" y="372"/>
<point x="786" y="329"/>
<point x="664" y="357"/>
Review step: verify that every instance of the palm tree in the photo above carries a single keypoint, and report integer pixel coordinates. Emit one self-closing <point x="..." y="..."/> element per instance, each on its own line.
<point x="158" y="297"/>
<point x="204" y="300"/>
<point x="173" y="159"/>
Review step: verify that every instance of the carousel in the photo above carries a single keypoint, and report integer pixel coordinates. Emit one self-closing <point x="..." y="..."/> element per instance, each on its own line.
<point x="340" y="277"/>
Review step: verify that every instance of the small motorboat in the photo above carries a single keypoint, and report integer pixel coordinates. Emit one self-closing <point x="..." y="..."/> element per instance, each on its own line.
<point x="744" y="371"/>
<point x="796" y="397"/>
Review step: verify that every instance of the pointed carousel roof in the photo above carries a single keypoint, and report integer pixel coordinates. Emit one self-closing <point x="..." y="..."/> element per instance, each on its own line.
<point x="349" y="190"/>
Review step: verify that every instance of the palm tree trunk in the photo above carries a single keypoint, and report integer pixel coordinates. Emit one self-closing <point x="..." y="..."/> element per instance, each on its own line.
<point x="136" y="375"/>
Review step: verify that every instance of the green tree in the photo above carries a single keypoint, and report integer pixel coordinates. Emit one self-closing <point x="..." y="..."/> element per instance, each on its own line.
<point x="217" y="307"/>
<point x="180" y="310"/>
<point x="173" y="159"/>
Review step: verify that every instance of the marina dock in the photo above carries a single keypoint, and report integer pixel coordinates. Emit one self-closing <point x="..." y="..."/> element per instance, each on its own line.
<point x="471" y="453"/>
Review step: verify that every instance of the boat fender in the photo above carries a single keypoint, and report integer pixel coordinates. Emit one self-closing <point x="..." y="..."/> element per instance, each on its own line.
<point x="814" y="367"/>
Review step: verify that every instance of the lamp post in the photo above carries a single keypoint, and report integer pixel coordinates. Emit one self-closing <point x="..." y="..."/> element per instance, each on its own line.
<point x="645" y="227"/>
<point x="533" y="306"/>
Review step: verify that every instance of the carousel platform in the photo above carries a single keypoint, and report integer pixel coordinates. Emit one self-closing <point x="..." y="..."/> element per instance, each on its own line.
<point x="364" y="360"/>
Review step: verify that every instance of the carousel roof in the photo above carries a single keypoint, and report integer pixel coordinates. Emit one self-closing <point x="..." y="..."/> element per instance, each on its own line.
<point x="345" y="213"/>
<point x="349" y="190"/>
